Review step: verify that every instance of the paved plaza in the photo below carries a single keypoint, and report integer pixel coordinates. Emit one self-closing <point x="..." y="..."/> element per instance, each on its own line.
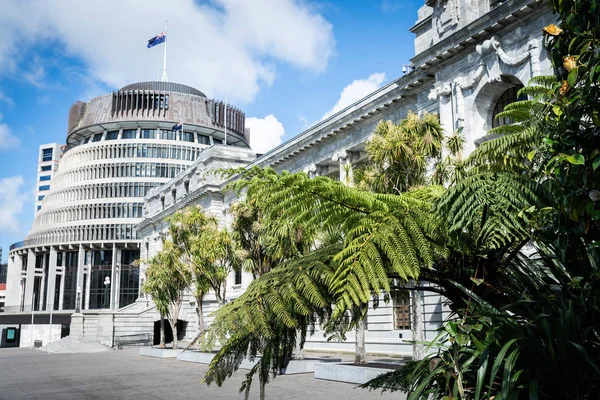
<point x="33" y="374"/>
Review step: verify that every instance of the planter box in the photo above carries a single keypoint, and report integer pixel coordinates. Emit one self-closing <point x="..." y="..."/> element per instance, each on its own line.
<point x="159" y="353"/>
<point x="195" y="356"/>
<point x="348" y="372"/>
<point x="307" y="365"/>
<point x="294" y="367"/>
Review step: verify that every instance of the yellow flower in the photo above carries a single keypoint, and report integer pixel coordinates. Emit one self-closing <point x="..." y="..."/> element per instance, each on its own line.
<point x="553" y="30"/>
<point x="569" y="62"/>
<point x="564" y="89"/>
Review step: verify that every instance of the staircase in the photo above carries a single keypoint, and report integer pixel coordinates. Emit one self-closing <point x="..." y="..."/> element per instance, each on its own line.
<point x="69" y="344"/>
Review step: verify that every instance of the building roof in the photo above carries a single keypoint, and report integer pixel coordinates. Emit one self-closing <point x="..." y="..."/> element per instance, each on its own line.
<point x="164" y="87"/>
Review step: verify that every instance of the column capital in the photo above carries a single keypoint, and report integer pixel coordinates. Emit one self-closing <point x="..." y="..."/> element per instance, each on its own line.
<point x="340" y="156"/>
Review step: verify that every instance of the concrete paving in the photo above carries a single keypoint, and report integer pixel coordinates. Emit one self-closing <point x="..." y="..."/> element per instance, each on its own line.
<point x="33" y="374"/>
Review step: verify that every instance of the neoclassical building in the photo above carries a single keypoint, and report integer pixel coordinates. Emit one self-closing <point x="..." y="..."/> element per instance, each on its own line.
<point x="471" y="57"/>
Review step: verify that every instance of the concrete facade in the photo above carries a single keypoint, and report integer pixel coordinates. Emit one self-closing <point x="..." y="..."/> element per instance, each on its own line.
<point x="469" y="55"/>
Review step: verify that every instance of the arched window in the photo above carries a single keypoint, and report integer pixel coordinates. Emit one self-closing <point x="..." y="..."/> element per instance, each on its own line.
<point x="509" y="96"/>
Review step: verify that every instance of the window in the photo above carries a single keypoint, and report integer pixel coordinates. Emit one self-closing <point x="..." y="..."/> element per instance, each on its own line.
<point x="47" y="155"/>
<point x="187" y="137"/>
<point x="45" y="178"/>
<point x="162" y="202"/>
<point x="148" y="134"/>
<point x="87" y="139"/>
<point x="39" y="208"/>
<point x="44" y="187"/>
<point x="509" y="96"/>
<point x="238" y="277"/>
<point x="47" y="168"/>
<point x="186" y="187"/>
<point x="203" y="139"/>
<point x="129" y="134"/>
<point x="112" y="135"/>
<point x="167" y="135"/>
<point x="217" y="141"/>
<point x="401" y="300"/>
<point x="40" y="198"/>
<point x="97" y="137"/>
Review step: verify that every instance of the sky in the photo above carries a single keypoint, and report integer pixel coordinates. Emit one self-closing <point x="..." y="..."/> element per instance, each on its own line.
<point x="286" y="63"/>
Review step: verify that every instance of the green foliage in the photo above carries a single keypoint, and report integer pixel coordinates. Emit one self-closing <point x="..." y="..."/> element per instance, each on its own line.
<point x="398" y="153"/>
<point x="538" y="341"/>
<point x="383" y="234"/>
<point x="266" y="319"/>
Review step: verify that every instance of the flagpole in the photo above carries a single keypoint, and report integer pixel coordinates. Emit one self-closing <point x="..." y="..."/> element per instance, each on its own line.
<point x="225" y="141"/>
<point x="164" y="75"/>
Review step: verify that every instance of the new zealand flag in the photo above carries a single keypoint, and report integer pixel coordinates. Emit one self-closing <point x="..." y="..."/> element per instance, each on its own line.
<point x="157" y="39"/>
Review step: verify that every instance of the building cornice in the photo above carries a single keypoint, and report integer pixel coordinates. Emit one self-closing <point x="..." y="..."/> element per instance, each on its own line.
<point x="470" y="35"/>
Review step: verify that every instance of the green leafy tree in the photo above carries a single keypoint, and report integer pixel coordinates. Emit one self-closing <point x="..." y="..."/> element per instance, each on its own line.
<point x="166" y="280"/>
<point x="186" y="228"/>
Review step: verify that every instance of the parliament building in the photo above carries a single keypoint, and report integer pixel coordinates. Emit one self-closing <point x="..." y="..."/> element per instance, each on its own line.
<point x="124" y="170"/>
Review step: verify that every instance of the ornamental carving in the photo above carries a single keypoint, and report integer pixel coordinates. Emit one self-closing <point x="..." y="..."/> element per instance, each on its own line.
<point x="491" y="59"/>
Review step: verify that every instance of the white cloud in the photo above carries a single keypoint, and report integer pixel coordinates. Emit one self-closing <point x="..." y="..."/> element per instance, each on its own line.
<point x="265" y="133"/>
<point x="7" y="139"/>
<point x="356" y="91"/>
<point x="12" y="198"/>
<point x="6" y="100"/>
<point x="221" y="46"/>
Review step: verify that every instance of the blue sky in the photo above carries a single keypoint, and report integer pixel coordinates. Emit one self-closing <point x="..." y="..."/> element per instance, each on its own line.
<point x="285" y="63"/>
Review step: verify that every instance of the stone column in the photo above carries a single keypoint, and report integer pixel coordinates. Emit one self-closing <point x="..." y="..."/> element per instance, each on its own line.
<point x="88" y="285"/>
<point x="346" y="158"/>
<point x="13" y="283"/>
<point x="61" y="294"/>
<point x="113" y="277"/>
<point x="51" y="279"/>
<point x="28" y="303"/>
<point x="117" y="282"/>
<point x="40" y="300"/>
<point x="80" y="272"/>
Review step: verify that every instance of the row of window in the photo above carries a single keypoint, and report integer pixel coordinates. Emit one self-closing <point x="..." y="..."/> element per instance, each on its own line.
<point x="91" y="212"/>
<point x="101" y="191"/>
<point x="126" y="170"/>
<point x="86" y="233"/>
<point x="133" y="150"/>
<point x="164" y="134"/>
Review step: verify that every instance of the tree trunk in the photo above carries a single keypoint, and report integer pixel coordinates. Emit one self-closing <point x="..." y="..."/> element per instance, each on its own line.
<point x="417" y="324"/>
<point x="174" y="329"/>
<point x="162" y="332"/>
<point x="200" y="313"/>
<point x="262" y="384"/>
<point x="361" y="351"/>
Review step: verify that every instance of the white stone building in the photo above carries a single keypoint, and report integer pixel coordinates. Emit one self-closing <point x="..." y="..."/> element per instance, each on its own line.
<point x="471" y="56"/>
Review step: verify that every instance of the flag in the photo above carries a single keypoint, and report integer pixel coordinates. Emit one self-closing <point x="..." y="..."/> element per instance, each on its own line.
<point x="157" y="39"/>
<point x="178" y="126"/>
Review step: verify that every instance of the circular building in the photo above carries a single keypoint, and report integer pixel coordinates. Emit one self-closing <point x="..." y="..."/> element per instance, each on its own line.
<point x="81" y="249"/>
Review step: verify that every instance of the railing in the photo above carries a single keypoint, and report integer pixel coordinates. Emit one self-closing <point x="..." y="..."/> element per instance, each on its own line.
<point x="139" y="339"/>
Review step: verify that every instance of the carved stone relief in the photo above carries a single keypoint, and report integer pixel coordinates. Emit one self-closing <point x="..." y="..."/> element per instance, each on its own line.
<point x="491" y="60"/>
